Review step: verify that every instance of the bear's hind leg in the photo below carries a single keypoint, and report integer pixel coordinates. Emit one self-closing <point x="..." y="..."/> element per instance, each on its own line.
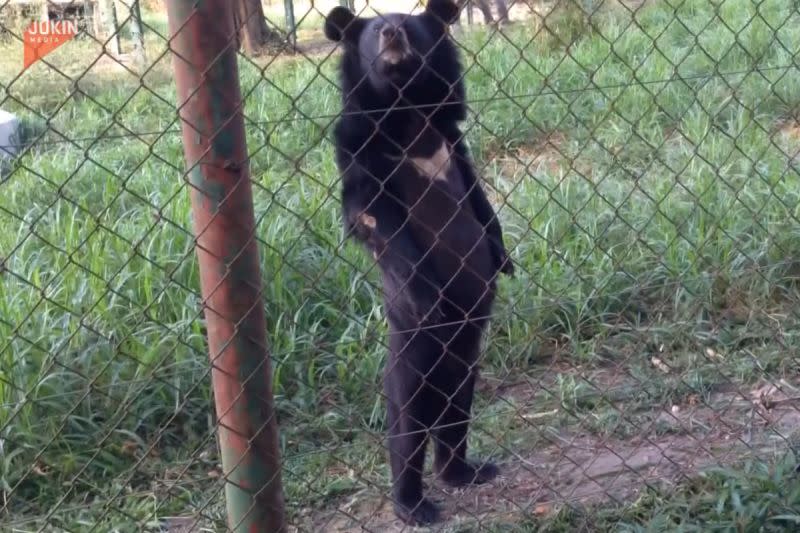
<point x="450" y="437"/>
<point x="409" y="416"/>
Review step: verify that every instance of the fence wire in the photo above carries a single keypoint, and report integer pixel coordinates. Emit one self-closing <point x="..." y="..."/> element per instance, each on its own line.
<point x="638" y="370"/>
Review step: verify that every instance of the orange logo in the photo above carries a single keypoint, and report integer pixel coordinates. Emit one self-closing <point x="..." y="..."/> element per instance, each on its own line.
<point x="44" y="36"/>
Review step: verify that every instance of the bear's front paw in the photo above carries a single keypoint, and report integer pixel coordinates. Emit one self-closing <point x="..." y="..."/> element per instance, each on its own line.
<point x="363" y="227"/>
<point x="417" y="513"/>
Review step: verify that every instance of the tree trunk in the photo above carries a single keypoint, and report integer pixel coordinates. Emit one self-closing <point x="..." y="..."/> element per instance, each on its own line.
<point x="251" y="26"/>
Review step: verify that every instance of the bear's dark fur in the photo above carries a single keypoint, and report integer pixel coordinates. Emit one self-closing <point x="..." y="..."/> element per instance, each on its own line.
<point x="411" y="196"/>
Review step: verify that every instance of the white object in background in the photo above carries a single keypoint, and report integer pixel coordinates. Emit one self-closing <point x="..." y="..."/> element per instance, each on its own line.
<point x="9" y="135"/>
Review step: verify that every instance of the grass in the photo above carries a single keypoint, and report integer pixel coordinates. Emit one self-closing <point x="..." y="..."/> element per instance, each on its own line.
<point x="648" y="186"/>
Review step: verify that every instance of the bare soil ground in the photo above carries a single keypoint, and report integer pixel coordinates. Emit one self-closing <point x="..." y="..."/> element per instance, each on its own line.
<point x="581" y="468"/>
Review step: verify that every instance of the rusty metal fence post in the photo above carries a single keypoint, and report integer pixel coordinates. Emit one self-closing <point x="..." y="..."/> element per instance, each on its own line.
<point x="209" y="101"/>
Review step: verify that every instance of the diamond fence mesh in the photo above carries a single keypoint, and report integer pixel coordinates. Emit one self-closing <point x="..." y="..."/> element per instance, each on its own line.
<point x="638" y="371"/>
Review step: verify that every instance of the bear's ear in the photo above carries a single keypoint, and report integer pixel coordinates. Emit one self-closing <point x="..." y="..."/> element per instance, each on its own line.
<point x="342" y="25"/>
<point x="445" y="10"/>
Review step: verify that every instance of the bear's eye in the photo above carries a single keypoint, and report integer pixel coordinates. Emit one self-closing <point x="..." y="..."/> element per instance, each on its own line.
<point x="377" y="28"/>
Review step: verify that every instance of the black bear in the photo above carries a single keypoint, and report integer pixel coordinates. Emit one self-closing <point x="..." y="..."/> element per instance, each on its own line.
<point x="410" y="194"/>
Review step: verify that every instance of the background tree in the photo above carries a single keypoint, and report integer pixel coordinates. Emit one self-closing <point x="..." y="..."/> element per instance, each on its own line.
<point x="254" y="35"/>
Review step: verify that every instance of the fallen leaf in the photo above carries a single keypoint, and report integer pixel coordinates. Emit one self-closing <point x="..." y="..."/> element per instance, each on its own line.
<point x="542" y="509"/>
<point x="129" y="448"/>
<point x="659" y="364"/>
<point x="41" y="469"/>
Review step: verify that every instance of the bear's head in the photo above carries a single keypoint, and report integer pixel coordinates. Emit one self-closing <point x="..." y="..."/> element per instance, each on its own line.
<point x="393" y="51"/>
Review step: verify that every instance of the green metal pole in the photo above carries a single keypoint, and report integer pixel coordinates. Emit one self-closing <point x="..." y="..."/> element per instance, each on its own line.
<point x="288" y="6"/>
<point x="88" y="16"/>
<point x="137" y="35"/>
<point x="116" y="46"/>
<point x="108" y="11"/>
<point x="209" y="101"/>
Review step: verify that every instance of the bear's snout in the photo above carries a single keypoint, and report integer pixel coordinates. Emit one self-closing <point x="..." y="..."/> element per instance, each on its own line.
<point x="393" y="44"/>
<point x="391" y="32"/>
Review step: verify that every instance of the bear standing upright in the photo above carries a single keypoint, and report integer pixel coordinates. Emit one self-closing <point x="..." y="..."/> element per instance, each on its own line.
<point x="410" y="194"/>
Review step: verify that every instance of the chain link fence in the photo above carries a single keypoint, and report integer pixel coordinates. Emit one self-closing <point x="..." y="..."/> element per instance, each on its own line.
<point x="639" y="371"/>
